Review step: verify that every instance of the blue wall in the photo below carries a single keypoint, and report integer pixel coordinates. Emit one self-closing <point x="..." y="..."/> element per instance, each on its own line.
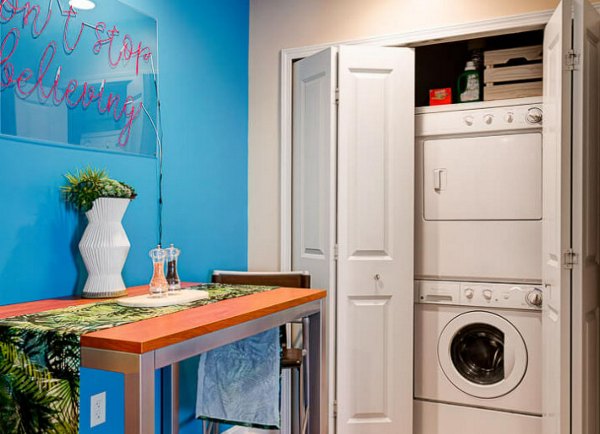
<point x="203" y="76"/>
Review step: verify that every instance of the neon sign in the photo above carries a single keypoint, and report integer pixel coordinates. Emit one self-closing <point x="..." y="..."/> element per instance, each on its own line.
<point x="76" y="76"/>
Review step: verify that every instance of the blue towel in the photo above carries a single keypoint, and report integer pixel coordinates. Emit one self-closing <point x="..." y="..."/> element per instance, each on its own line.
<point x="239" y="383"/>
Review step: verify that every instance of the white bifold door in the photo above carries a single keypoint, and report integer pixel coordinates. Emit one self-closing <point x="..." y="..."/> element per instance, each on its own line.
<point x="314" y="183"/>
<point x="571" y="219"/>
<point x="353" y="188"/>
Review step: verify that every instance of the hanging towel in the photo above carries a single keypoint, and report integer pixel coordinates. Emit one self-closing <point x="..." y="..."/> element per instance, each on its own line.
<point x="239" y="383"/>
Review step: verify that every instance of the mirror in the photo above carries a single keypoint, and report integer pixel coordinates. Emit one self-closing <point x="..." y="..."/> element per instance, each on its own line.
<point x="81" y="77"/>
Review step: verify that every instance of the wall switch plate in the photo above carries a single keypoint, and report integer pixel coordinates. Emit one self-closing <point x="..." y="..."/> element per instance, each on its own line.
<point x="98" y="409"/>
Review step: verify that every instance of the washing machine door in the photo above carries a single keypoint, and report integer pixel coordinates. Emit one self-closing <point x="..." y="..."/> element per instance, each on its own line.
<point x="482" y="354"/>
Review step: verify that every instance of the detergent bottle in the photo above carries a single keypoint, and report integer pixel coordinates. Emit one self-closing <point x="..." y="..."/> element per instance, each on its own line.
<point x="468" y="84"/>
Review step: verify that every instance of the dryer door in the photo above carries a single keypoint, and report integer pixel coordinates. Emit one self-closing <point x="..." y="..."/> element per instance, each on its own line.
<point x="483" y="178"/>
<point x="482" y="354"/>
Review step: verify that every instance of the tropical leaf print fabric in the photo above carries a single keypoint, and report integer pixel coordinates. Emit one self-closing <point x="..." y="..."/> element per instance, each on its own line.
<point x="40" y="358"/>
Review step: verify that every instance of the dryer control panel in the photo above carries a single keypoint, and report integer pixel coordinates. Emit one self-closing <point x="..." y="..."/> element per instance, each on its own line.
<point x="480" y="294"/>
<point x="477" y="118"/>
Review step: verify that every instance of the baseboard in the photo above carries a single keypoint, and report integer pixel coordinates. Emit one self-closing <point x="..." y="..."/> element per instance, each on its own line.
<point x="237" y="430"/>
<point x="244" y="430"/>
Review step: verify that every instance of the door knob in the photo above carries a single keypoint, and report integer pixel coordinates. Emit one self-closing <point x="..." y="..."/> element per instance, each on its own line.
<point x="377" y="277"/>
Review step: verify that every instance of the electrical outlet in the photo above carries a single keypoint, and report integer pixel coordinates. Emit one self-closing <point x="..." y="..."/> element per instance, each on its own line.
<point x="98" y="409"/>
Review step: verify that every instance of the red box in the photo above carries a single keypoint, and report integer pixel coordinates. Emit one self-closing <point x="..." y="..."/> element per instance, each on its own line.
<point x="440" y="96"/>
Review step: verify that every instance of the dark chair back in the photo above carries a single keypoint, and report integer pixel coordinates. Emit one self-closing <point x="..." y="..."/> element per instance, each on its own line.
<point x="289" y="279"/>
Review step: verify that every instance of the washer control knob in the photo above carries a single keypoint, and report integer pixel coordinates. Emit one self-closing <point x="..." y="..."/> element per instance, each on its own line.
<point x="487" y="294"/>
<point x="534" y="298"/>
<point x="509" y="117"/>
<point x="468" y="120"/>
<point x="488" y="119"/>
<point x="534" y="115"/>
<point x="469" y="293"/>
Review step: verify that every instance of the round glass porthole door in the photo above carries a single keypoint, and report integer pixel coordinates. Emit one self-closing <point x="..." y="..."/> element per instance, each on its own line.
<point x="477" y="352"/>
<point x="482" y="354"/>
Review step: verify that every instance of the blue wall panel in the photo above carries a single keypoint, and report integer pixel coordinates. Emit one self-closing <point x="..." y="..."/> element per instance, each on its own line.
<point x="203" y="79"/>
<point x="39" y="257"/>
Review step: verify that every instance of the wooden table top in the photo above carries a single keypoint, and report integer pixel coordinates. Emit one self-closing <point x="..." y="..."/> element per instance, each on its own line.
<point x="151" y="334"/>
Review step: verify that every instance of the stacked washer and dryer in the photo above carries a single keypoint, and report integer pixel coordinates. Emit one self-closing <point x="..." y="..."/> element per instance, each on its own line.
<point x="478" y="268"/>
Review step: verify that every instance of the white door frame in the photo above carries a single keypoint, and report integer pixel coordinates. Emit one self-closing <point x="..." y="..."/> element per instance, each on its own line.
<point x="512" y="24"/>
<point x="492" y="27"/>
<point x="503" y="25"/>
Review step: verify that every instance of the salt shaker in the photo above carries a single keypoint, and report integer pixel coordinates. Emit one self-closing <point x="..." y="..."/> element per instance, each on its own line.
<point x="158" y="283"/>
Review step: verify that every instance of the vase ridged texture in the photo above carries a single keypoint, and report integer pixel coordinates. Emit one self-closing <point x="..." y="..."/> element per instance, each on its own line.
<point x="104" y="247"/>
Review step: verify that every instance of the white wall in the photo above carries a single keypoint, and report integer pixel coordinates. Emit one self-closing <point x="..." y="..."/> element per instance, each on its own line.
<point x="279" y="24"/>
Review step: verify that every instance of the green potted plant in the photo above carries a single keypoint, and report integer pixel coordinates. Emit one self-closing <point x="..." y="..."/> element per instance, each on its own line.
<point x="87" y="185"/>
<point x="104" y="245"/>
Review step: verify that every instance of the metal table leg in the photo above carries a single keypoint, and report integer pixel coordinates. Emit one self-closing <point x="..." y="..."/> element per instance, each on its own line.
<point x="139" y="396"/>
<point x="170" y="401"/>
<point x="317" y="387"/>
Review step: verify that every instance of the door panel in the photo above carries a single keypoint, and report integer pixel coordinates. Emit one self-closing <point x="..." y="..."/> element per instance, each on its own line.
<point x="313" y="186"/>
<point x="370" y="331"/>
<point x="586" y="306"/>
<point x="313" y="180"/>
<point x="368" y="204"/>
<point x="556" y="222"/>
<point x="375" y="237"/>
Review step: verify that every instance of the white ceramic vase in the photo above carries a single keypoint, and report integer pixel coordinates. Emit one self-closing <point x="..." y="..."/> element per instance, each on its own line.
<point x="104" y="247"/>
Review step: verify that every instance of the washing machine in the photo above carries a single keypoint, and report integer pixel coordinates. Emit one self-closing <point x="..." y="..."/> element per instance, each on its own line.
<point x="478" y="358"/>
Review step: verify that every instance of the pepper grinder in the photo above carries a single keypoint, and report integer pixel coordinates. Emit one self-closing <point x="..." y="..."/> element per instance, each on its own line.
<point x="158" y="283"/>
<point x="172" y="276"/>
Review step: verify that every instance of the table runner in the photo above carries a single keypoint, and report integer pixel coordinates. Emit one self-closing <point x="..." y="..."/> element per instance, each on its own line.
<point x="40" y="357"/>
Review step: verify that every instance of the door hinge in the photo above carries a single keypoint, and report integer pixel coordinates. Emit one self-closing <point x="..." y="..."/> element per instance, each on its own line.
<point x="337" y="96"/>
<point x="335" y="252"/>
<point x="572" y="59"/>
<point x="570" y="259"/>
<point x="334" y="409"/>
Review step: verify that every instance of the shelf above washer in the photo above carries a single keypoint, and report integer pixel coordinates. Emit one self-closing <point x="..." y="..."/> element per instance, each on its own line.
<point x="477" y="105"/>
